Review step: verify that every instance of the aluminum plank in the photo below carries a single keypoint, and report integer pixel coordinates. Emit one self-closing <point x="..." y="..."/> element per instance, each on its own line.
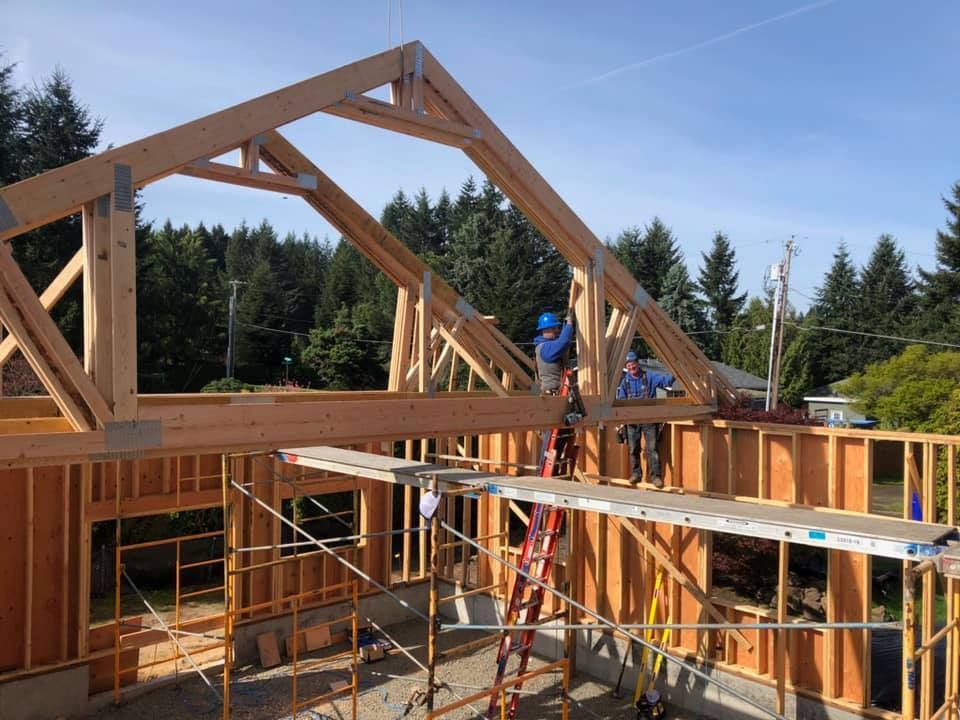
<point x="873" y="535"/>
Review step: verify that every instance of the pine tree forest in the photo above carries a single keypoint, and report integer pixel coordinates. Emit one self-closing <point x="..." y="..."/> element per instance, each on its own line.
<point x="313" y="313"/>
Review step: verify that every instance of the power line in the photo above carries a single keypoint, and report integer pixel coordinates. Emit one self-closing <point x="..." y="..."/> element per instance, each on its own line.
<point x="874" y="335"/>
<point x="302" y="334"/>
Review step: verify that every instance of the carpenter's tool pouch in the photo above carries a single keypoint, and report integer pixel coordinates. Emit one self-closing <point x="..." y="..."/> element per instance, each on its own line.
<point x="650" y="706"/>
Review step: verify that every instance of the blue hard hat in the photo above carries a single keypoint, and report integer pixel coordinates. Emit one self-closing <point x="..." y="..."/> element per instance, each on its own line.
<point x="546" y="321"/>
<point x="631" y="356"/>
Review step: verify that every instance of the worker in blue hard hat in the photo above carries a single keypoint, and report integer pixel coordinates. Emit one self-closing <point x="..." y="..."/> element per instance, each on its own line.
<point x="640" y="384"/>
<point x="552" y="348"/>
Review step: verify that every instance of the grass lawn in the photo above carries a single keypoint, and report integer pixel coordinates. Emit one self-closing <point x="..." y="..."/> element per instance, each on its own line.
<point x="163" y="601"/>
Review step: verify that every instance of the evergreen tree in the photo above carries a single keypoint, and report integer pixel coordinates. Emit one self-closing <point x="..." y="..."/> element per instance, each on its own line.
<point x="745" y="347"/>
<point x="442" y="218"/>
<point x="626" y="248"/>
<point x="55" y="129"/>
<point x="537" y="278"/>
<point x="9" y="125"/>
<point x="679" y="301"/>
<point x="940" y="287"/>
<point x="341" y="358"/>
<point x="466" y="205"/>
<point x="658" y="253"/>
<point x="423" y="233"/>
<point x="796" y="371"/>
<point x="887" y="299"/>
<point x="240" y="257"/>
<point x="719" y="281"/>
<point x="179" y="295"/>
<point x="464" y="265"/>
<point x="397" y="217"/>
<point x="834" y="356"/>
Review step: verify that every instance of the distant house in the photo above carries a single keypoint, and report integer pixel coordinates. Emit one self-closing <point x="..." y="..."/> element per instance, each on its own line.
<point x="827" y="404"/>
<point x="744" y="382"/>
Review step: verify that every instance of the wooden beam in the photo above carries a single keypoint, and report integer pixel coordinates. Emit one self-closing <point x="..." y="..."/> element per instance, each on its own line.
<point x="425" y="313"/>
<point x="46" y="349"/>
<point x="50" y="297"/>
<point x="123" y="297"/>
<point x="391" y="256"/>
<point x="241" y="176"/>
<point x="389" y="117"/>
<point x="520" y="181"/>
<point x="470" y="356"/>
<point x="403" y="323"/>
<point x="97" y="296"/>
<point x="63" y="191"/>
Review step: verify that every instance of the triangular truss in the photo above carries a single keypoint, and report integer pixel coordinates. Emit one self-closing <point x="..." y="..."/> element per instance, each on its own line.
<point x="435" y="328"/>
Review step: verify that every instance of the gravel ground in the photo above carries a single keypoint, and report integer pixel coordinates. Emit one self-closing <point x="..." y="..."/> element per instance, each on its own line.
<point x="266" y="694"/>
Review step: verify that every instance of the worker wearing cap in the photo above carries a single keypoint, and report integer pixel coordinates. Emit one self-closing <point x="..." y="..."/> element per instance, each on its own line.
<point x="552" y="349"/>
<point x="640" y="384"/>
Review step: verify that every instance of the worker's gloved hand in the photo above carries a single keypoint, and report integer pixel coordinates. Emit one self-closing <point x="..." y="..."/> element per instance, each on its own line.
<point x="571" y="317"/>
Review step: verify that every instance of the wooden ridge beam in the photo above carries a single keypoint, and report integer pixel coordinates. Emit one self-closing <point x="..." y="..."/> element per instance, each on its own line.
<point x="61" y="192"/>
<point x="50" y="297"/>
<point x="377" y="113"/>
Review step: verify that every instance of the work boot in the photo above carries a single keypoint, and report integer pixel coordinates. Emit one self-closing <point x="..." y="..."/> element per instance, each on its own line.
<point x="657" y="482"/>
<point x="636" y="477"/>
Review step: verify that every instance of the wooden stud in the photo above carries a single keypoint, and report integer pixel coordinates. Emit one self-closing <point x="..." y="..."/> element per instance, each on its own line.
<point x="683" y="580"/>
<point x="85" y="527"/>
<point x="28" y="575"/>
<point x="66" y="538"/>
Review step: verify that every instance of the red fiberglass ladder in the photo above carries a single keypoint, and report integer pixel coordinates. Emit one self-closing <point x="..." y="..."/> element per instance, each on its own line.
<point x="539" y="549"/>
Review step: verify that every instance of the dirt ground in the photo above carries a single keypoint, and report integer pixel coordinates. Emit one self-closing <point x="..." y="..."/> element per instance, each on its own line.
<point x="267" y="694"/>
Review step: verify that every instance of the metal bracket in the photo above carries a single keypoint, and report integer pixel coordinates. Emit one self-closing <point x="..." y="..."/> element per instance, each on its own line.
<point x="103" y="206"/>
<point x="465" y="309"/>
<point x="126" y="435"/>
<point x="307" y="181"/>
<point x="122" y="188"/>
<point x="641" y="297"/>
<point x="7" y="220"/>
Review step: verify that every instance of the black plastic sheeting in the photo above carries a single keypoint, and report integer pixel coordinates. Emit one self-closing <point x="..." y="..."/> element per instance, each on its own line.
<point x="886" y="670"/>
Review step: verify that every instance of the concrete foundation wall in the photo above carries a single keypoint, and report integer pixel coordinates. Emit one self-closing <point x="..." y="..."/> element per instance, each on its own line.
<point x="382" y="608"/>
<point x="42" y="697"/>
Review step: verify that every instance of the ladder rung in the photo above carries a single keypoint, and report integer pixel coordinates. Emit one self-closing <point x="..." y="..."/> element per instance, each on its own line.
<point x="521" y="648"/>
<point x="532" y="602"/>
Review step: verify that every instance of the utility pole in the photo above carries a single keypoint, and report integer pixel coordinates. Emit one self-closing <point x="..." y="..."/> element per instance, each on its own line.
<point x="781" y="273"/>
<point x="232" y="328"/>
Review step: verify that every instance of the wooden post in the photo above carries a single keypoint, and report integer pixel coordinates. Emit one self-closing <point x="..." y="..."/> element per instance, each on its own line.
<point x="432" y="650"/>
<point x="123" y="292"/>
<point x="354" y="650"/>
<point x="782" y="635"/>
<point x="908" y="690"/>
<point x="228" y="580"/>
<point x="424" y="369"/>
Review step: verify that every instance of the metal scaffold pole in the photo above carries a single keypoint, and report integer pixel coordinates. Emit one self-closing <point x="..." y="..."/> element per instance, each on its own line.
<point x="692" y="669"/>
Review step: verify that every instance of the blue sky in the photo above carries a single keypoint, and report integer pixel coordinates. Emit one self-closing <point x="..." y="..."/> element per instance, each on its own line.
<point x="825" y="120"/>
